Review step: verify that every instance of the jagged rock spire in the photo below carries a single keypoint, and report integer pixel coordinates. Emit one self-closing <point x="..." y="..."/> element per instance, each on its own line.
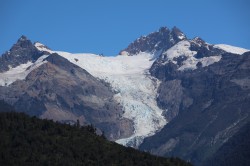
<point x="158" y="41"/>
<point x="21" y="52"/>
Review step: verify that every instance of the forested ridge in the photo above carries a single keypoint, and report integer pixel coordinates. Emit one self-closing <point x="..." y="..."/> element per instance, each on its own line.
<point x="28" y="140"/>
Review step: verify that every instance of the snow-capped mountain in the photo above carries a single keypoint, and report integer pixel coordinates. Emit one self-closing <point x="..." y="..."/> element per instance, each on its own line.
<point x="161" y="92"/>
<point x="53" y="88"/>
<point x="204" y="91"/>
<point x="21" y="53"/>
<point x="156" y="42"/>
<point x="134" y="89"/>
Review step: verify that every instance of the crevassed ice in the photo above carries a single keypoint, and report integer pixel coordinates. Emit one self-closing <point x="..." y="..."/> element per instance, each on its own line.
<point x="136" y="90"/>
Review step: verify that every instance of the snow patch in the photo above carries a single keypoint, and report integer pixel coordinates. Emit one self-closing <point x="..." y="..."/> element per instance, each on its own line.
<point x="182" y="49"/>
<point x="231" y="49"/>
<point x="42" y="47"/>
<point x="190" y="63"/>
<point x="182" y="36"/>
<point x="20" y="72"/>
<point x="136" y="90"/>
<point x="206" y="61"/>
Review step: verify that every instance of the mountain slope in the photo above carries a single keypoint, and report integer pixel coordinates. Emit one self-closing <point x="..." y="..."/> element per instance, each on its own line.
<point x="206" y="103"/>
<point x="234" y="152"/>
<point x="134" y="89"/>
<point x="189" y="95"/>
<point x="59" y="90"/>
<point x="30" y="141"/>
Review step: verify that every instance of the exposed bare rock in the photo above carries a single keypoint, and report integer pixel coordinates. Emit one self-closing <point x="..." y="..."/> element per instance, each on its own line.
<point x="217" y="105"/>
<point x="170" y="97"/>
<point x="156" y="42"/>
<point x="62" y="91"/>
<point x="20" y="53"/>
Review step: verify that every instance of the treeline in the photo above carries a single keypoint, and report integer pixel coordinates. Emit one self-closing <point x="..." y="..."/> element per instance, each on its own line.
<point x="28" y="140"/>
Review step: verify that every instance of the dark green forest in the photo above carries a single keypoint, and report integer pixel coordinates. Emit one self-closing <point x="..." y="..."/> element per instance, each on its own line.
<point x="28" y="140"/>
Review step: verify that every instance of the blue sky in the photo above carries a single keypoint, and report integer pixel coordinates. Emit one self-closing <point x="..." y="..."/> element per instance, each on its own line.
<point x="107" y="26"/>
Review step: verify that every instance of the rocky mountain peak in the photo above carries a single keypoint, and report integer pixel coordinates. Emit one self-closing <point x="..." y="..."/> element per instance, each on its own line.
<point x="155" y="42"/>
<point x="199" y="41"/>
<point x="22" y="38"/>
<point x="20" y="53"/>
<point x="164" y="30"/>
<point x="178" y="34"/>
<point x="22" y="43"/>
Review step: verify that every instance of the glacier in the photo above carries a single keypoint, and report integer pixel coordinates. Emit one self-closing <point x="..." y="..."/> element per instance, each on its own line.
<point x="135" y="89"/>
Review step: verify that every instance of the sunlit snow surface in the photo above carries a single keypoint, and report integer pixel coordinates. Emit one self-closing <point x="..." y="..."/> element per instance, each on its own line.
<point x="183" y="49"/>
<point x="42" y="47"/>
<point x="231" y="49"/>
<point x="20" y="72"/>
<point x="135" y="89"/>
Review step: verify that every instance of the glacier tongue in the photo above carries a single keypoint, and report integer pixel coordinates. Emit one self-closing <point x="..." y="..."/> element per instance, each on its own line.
<point x="137" y="94"/>
<point x="135" y="89"/>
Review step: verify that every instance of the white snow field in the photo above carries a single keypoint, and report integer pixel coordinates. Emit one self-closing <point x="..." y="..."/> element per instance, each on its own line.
<point x="42" y="47"/>
<point x="20" y="72"/>
<point x="231" y="49"/>
<point x="182" y="49"/>
<point x="135" y="89"/>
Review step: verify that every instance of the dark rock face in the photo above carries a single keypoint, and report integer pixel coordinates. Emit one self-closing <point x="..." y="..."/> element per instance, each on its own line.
<point x="235" y="151"/>
<point x="167" y="71"/>
<point x="206" y="106"/>
<point x="156" y="41"/>
<point x="64" y="92"/>
<point x="172" y="100"/>
<point x="20" y="53"/>
<point x="203" y="49"/>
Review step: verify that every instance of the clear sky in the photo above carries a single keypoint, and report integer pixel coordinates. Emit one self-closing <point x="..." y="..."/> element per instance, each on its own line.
<point x="107" y="26"/>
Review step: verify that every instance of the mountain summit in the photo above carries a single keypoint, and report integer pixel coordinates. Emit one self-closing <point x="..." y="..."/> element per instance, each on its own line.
<point x="171" y="96"/>
<point x="156" y="42"/>
<point x="20" y="53"/>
